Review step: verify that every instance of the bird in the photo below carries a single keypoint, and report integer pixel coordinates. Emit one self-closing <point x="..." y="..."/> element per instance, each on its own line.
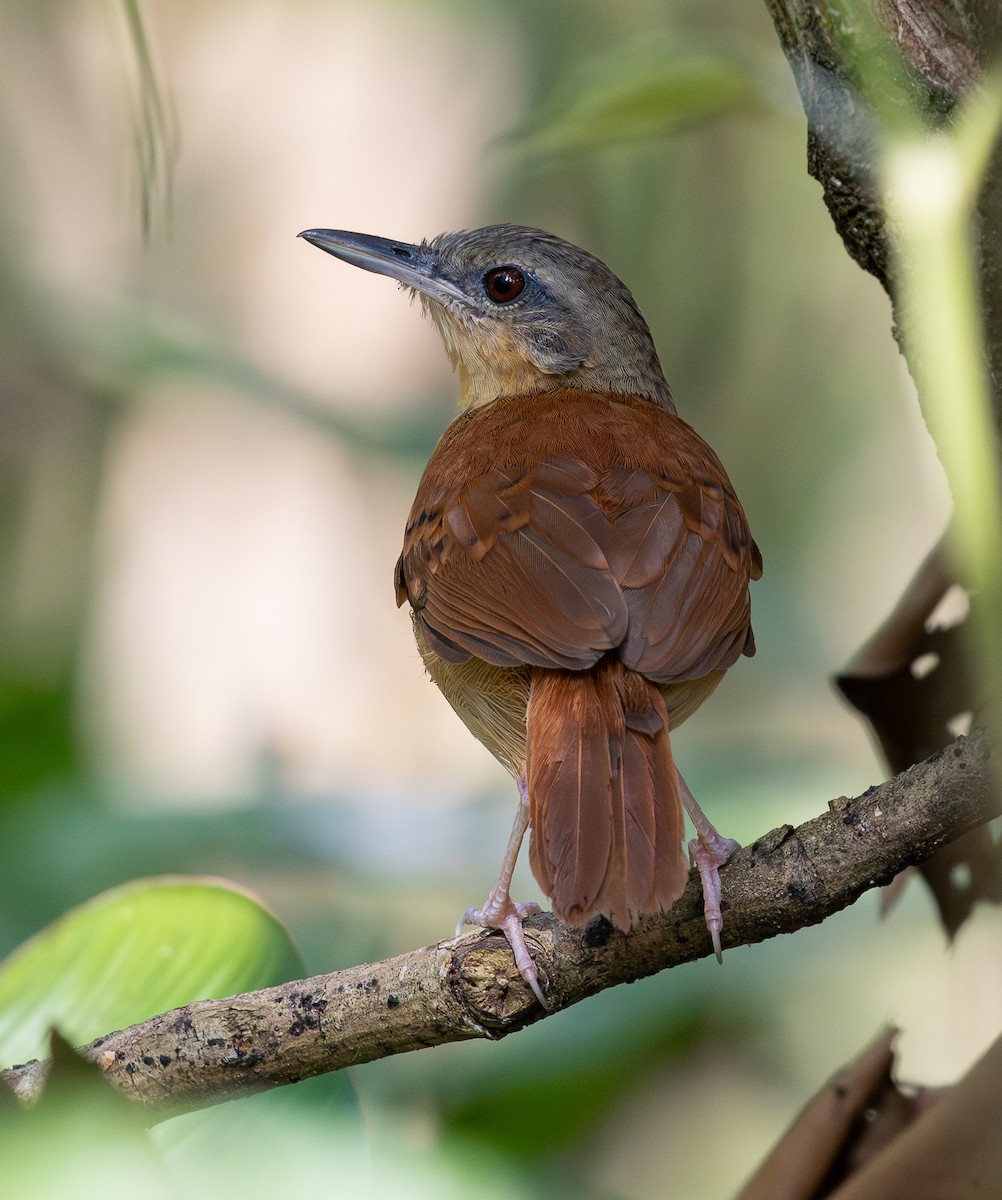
<point x="577" y="566"/>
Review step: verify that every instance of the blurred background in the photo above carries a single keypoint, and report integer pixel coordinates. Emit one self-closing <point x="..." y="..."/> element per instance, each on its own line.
<point x="210" y="435"/>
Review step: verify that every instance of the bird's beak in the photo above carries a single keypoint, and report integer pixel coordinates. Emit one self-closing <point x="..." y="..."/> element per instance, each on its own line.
<point x="413" y="266"/>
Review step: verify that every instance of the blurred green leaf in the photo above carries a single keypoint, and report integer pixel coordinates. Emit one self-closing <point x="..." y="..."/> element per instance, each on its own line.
<point x="134" y="951"/>
<point x="622" y="100"/>
<point x="82" y="1139"/>
<point x="85" y="1147"/>
<point x="36" y="735"/>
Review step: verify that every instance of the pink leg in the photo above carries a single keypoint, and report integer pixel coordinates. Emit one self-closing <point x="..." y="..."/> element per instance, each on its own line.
<point x="708" y="851"/>
<point x="500" y="911"/>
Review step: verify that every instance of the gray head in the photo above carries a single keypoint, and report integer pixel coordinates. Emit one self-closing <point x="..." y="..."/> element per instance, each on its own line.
<point x="520" y="311"/>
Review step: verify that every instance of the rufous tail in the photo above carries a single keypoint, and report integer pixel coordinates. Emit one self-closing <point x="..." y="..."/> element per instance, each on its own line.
<point x="604" y="802"/>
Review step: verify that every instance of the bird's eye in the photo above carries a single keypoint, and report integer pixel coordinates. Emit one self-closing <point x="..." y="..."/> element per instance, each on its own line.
<point x="504" y="284"/>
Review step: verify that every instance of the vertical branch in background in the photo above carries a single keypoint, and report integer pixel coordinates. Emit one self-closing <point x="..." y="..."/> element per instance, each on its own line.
<point x="154" y="131"/>
<point x="929" y="174"/>
<point x="890" y="89"/>
<point x="930" y="185"/>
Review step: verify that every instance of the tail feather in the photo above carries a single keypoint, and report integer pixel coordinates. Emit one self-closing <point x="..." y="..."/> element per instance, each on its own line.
<point x="605" y="808"/>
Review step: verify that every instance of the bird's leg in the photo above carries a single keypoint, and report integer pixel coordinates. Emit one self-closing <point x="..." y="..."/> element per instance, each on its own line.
<point x="500" y="911"/>
<point x="708" y="851"/>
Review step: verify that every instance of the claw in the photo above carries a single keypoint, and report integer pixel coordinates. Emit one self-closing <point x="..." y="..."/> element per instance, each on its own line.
<point x="501" y="912"/>
<point x="709" y="851"/>
<point x="506" y="915"/>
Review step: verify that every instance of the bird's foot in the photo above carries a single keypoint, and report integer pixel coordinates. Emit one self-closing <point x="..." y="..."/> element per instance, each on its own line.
<point x="708" y="852"/>
<point x="502" y="913"/>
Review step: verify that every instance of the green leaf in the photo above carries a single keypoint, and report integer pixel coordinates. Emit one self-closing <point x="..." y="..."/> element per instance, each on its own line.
<point x="83" y="1140"/>
<point x="622" y="100"/>
<point x="135" y="951"/>
<point x="36" y="735"/>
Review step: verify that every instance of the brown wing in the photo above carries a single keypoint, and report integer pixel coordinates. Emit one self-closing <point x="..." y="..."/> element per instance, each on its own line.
<point x="508" y="569"/>
<point x="550" y="530"/>
<point x="683" y="555"/>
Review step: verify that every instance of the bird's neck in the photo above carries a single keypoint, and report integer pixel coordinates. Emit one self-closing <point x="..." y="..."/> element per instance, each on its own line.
<point x="478" y="387"/>
<point x="492" y="365"/>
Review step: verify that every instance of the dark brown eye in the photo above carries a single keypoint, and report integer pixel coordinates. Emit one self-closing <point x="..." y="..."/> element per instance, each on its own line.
<point x="503" y="284"/>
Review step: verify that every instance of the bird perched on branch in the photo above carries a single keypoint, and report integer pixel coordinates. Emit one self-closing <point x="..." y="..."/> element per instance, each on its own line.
<point x="577" y="567"/>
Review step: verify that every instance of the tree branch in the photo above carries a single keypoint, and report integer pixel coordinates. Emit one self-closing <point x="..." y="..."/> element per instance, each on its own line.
<point x="942" y="51"/>
<point x="215" y="1050"/>
<point x="938" y="54"/>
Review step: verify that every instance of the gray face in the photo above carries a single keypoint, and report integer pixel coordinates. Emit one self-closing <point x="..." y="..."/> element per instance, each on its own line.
<point x="519" y="310"/>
